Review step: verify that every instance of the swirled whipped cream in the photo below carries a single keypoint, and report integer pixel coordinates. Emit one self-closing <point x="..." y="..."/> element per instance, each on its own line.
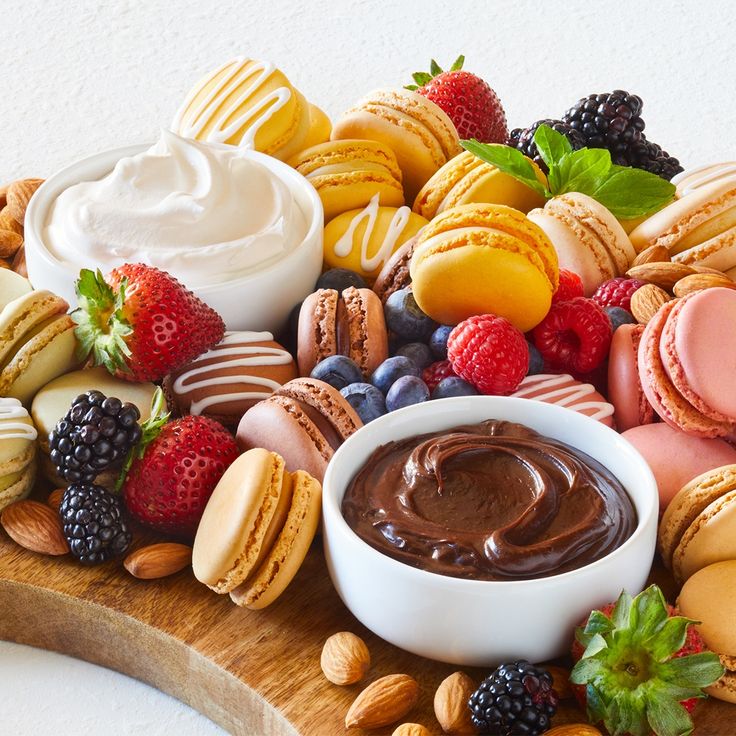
<point x="206" y="214"/>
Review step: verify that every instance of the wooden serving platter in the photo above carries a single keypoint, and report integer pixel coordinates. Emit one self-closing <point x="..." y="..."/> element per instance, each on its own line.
<point x="254" y="673"/>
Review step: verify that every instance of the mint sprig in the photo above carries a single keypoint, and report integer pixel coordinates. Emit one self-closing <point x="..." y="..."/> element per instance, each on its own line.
<point x="625" y="191"/>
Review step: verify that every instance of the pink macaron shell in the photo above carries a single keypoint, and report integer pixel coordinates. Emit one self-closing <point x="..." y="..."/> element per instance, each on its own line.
<point x="624" y="387"/>
<point x="671" y="406"/>
<point x="705" y="348"/>
<point x="660" y="443"/>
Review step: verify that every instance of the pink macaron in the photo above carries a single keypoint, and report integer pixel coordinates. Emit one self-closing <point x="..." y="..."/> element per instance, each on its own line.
<point x="659" y="444"/>
<point x="624" y="387"/>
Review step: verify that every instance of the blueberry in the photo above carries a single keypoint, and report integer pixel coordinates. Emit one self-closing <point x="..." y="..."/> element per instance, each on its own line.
<point x="406" y="391"/>
<point x="340" y="278"/>
<point x="406" y="319"/>
<point x="391" y="370"/>
<point x="367" y="401"/>
<point x="619" y="316"/>
<point x="453" y="386"/>
<point x="418" y="353"/>
<point x="337" y="370"/>
<point x="536" y="361"/>
<point x="438" y="341"/>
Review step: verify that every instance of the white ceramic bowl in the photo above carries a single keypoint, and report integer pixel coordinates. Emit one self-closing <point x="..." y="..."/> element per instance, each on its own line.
<point x="258" y="301"/>
<point x="481" y="623"/>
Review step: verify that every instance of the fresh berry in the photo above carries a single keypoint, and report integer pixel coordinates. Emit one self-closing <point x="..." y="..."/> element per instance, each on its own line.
<point x="337" y="370"/>
<point x="368" y="402"/>
<point x="141" y="323"/>
<point x="95" y="435"/>
<point x="95" y="523"/>
<point x="618" y="317"/>
<point x="490" y="353"/>
<point x="517" y="698"/>
<point x="173" y="475"/>
<point x="406" y="391"/>
<point x="617" y="292"/>
<point x="406" y="319"/>
<point x="418" y="352"/>
<point x="438" y="341"/>
<point x="340" y="279"/>
<point x="434" y="373"/>
<point x="649" y="156"/>
<point x="523" y="139"/>
<point x="571" y="285"/>
<point x="453" y="386"/>
<point x="575" y="335"/>
<point x="640" y="667"/>
<point x="467" y="100"/>
<point x="536" y="361"/>
<point x="391" y="370"/>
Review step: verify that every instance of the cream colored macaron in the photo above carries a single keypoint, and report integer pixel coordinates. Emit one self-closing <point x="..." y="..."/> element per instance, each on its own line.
<point x="12" y="285"/>
<point x="17" y="452"/>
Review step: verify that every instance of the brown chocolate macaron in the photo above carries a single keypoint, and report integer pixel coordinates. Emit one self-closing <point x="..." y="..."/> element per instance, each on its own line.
<point x="223" y="383"/>
<point x="304" y="421"/>
<point x="395" y="273"/>
<point x="350" y="324"/>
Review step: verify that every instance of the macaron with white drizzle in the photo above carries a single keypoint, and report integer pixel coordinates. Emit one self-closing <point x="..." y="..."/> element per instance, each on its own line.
<point x="223" y="383"/>
<point x="362" y="240"/>
<point x="17" y="452"/>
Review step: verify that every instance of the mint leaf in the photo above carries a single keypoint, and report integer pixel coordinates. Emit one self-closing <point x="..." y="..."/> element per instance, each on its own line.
<point x="580" y="171"/>
<point x="630" y="193"/>
<point x="552" y="146"/>
<point x="507" y="159"/>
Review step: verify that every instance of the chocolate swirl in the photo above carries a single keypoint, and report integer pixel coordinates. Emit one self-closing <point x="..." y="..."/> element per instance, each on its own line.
<point x="493" y="501"/>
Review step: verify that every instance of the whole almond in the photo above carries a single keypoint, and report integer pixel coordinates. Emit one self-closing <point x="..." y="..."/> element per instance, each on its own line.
<point x="10" y="243"/>
<point x="8" y="222"/>
<point x="646" y="302"/>
<point x="664" y="275"/>
<point x="345" y="658"/>
<point x="705" y="269"/>
<point x="574" y="729"/>
<point x="383" y="702"/>
<point x="35" y="526"/>
<point x="652" y="254"/>
<point x="18" y="195"/>
<point x="451" y="703"/>
<point x="158" y="560"/>
<point x="560" y="681"/>
<point x="411" y="729"/>
<point x="4" y="264"/>
<point x="698" y="281"/>
<point x="54" y="499"/>
<point x="19" y="262"/>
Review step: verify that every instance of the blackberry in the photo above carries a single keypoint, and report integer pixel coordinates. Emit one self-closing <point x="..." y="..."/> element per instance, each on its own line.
<point x="95" y="434"/>
<point x="95" y="523"/>
<point x="650" y="157"/>
<point x="516" y="699"/>
<point x="523" y="139"/>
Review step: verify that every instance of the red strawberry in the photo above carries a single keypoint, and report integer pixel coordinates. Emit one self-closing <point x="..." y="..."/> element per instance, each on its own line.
<point x="640" y="667"/>
<point x="141" y="323"/>
<point x="469" y="102"/>
<point x="169" y="483"/>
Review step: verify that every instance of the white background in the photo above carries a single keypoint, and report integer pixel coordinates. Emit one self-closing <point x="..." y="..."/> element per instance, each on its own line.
<point x="80" y="77"/>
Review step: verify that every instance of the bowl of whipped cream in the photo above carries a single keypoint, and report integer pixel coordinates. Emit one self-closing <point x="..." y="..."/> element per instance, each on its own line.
<point x="242" y="230"/>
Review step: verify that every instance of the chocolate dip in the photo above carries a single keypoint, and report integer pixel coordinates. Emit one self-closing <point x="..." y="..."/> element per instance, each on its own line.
<point x="490" y="501"/>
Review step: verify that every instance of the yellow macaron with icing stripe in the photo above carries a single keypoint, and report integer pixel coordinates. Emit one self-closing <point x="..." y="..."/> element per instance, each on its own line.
<point x="17" y="452"/>
<point x="484" y="259"/>
<point x="347" y="174"/>
<point x="364" y="239"/>
<point x="466" y="179"/>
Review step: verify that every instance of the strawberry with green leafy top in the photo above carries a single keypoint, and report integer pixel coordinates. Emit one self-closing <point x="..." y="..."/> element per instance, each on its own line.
<point x="640" y="667"/>
<point x="141" y="323"/>
<point x="467" y="100"/>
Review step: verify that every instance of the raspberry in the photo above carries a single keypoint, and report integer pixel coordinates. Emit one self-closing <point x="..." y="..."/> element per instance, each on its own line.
<point x="617" y="292"/>
<point x="575" y="335"/>
<point x="571" y="285"/>
<point x="435" y="372"/>
<point x="490" y="353"/>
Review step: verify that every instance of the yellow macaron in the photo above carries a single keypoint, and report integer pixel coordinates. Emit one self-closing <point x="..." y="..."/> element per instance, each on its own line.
<point x="347" y="174"/>
<point x="37" y="344"/>
<point x="251" y="103"/>
<point x="484" y="259"/>
<point x="466" y="179"/>
<point x="419" y="132"/>
<point x="17" y="452"/>
<point x="364" y="239"/>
